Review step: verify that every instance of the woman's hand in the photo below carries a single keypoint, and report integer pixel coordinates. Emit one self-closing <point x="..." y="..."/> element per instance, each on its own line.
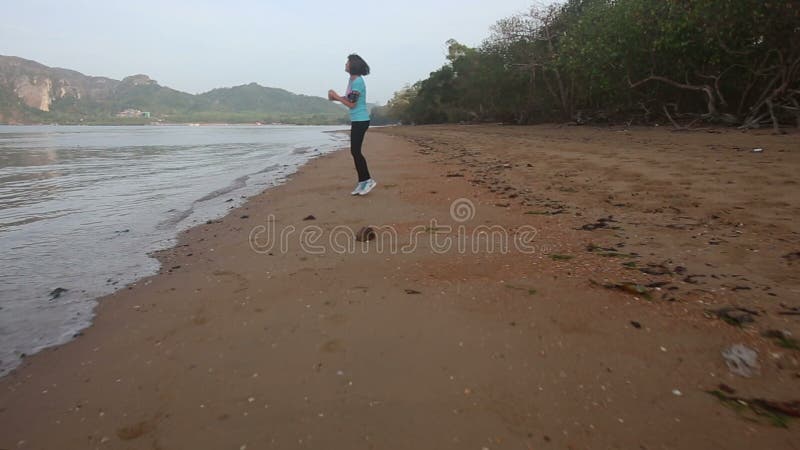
<point x="334" y="97"/>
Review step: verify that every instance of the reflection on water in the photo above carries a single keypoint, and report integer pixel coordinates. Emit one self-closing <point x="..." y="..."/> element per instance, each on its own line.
<point x="80" y="208"/>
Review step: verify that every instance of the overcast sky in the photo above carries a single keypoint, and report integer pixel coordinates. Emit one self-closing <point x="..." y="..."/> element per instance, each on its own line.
<point x="195" y="46"/>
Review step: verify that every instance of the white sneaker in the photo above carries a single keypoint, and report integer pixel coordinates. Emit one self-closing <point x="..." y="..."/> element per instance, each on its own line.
<point x="368" y="185"/>
<point x="358" y="188"/>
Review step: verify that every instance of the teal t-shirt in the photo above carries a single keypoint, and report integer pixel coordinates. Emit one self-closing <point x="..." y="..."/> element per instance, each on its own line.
<point x="360" y="112"/>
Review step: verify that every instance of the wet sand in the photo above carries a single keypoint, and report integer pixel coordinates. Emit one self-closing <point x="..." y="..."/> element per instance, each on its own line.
<point x="302" y="347"/>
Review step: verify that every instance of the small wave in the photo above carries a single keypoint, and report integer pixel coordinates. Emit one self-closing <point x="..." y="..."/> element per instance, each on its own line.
<point x="12" y="223"/>
<point x="175" y="220"/>
<point x="237" y="184"/>
<point x="4" y="225"/>
<point x="271" y="168"/>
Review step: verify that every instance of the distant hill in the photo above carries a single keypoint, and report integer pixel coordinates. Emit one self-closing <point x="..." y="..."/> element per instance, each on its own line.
<point x="34" y="93"/>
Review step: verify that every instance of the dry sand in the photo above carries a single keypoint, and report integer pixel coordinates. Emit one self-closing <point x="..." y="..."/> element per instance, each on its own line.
<point x="230" y="348"/>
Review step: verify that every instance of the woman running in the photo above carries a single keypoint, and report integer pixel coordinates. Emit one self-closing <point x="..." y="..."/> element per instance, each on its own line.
<point x="356" y="99"/>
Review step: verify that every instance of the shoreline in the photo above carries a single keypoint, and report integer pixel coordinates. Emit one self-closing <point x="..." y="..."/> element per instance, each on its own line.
<point x="83" y="292"/>
<point x="340" y="350"/>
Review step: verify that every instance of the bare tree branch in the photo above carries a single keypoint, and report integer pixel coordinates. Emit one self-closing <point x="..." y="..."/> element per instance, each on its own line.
<point x="775" y="126"/>
<point x="711" y="103"/>
<point x="674" y="124"/>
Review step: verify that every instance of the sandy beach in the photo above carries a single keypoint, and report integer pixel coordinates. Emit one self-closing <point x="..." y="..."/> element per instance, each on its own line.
<point x="601" y="326"/>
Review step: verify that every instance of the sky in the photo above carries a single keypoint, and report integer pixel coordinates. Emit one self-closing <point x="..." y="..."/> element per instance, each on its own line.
<point x="301" y="45"/>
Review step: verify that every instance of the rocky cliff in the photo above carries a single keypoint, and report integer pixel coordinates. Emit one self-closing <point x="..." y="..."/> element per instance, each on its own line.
<point x="38" y="86"/>
<point x="34" y="93"/>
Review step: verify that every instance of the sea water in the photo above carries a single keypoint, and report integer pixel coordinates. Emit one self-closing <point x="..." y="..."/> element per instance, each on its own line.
<point x="82" y="207"/>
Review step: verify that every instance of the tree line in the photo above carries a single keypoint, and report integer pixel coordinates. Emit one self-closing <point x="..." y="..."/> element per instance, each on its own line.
<point x="734" y="62"/>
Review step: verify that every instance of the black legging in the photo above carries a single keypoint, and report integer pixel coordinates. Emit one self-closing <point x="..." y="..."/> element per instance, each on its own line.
<point x="357" y="132"/>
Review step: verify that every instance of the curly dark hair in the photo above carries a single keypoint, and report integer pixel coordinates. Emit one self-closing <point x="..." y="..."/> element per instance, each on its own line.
<point x="357" y="65"/>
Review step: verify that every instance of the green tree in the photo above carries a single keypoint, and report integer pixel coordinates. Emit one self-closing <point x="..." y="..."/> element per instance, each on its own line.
<point x="729" y="61"/>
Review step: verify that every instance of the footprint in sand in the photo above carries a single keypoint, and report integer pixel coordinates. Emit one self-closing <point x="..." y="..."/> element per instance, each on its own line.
<point x="199" y="317"/>
<point x="199" y="320"/>
<point x="135" y="431"/>
<point x="243" y="284"/>
<point x="336" y="319"/>
<point x="332" y="346"/>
